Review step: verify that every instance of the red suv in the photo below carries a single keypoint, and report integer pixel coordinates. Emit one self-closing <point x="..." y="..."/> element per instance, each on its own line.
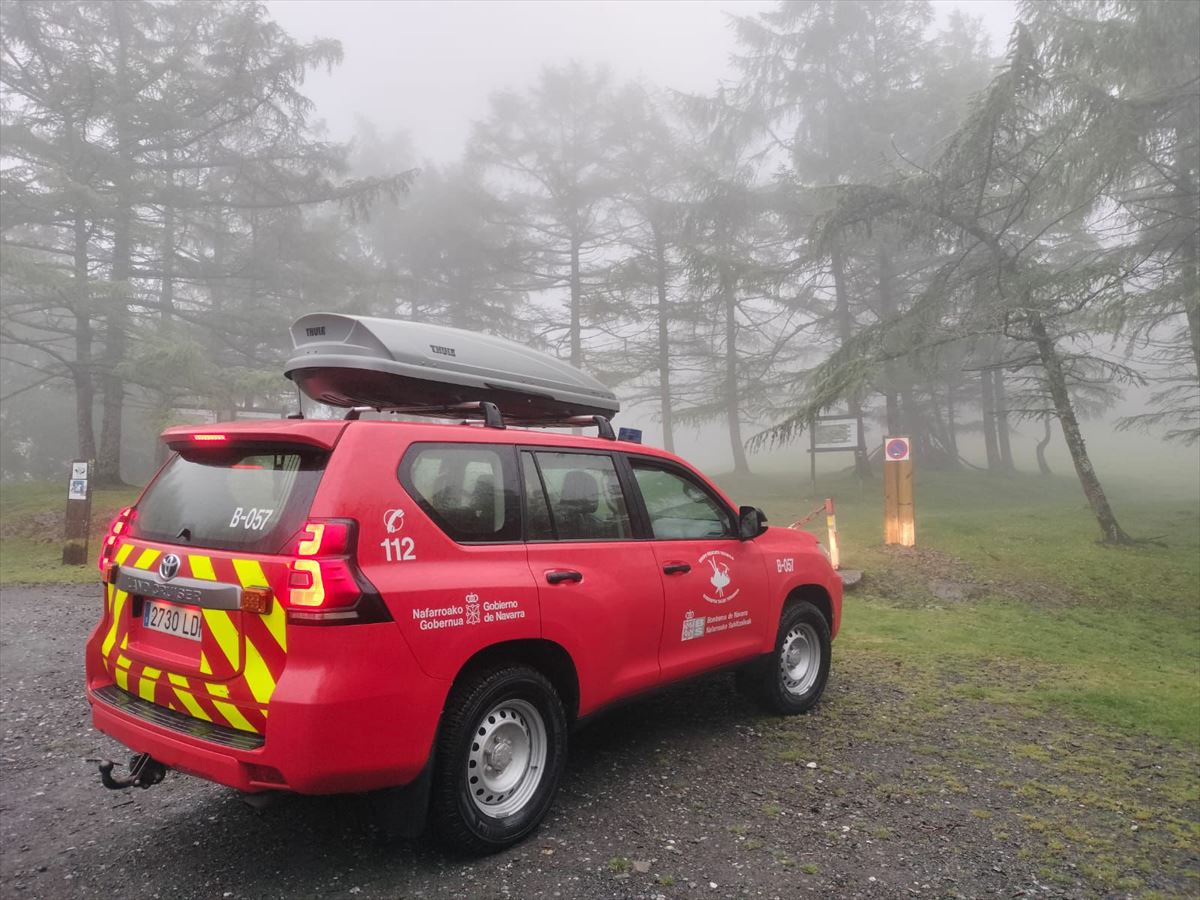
<point x="332" y="606"/>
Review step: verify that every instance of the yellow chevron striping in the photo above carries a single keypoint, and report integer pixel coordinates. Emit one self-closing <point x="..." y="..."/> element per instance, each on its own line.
<point x="233" y="716"/>
<point x="118" y="611"/>
<point x="221" y="626"/>
<point x="276" y="622"/>
<point x="205" y="666"/>
<point x="146" y="683"/>
<point x="177" y="680"/>
<point x="258" y="676"/>
<point x="250" y="573"/>
<point x="123" y="554"/>
<point x="146" y="560"/>
<point x="123" y="661"/>
<point x="122" y="677"/>
<point x="193" y="707"/>
<point x="218" y="690"/>
<point x="202" y="567"/>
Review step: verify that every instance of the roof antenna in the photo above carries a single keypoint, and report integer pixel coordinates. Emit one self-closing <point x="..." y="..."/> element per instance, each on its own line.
<point x="299" y="414"/>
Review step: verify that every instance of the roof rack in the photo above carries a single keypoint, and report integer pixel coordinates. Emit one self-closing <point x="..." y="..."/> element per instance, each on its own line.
<point x="492" y="416"/>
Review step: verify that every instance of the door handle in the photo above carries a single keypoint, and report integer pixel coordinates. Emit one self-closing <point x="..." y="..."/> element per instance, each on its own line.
<point x="558" y="576"/>
<point x="676" y="568"/>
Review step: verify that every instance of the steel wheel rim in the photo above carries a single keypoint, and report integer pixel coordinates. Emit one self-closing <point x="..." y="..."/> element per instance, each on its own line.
<point x="507" y="758"/>
<point x="800" y="659"/>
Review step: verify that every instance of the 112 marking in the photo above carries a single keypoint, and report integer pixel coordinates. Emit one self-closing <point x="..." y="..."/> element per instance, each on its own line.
<point x="399" y="549"/>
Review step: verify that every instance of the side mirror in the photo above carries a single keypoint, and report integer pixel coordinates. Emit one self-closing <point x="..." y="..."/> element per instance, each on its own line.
<point x="752" y="522"/>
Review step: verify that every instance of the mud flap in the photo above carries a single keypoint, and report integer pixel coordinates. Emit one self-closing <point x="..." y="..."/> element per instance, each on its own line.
<point x="402" y="812"/>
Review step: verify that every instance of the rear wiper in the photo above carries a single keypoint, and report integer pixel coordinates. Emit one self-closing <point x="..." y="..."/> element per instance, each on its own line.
<point x="184" y="534"/>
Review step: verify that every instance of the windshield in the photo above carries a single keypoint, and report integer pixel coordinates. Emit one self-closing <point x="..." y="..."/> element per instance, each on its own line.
<point x="250" y="499"/>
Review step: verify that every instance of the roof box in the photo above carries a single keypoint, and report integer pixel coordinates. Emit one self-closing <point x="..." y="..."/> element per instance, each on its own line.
<point x="418" y="367"/>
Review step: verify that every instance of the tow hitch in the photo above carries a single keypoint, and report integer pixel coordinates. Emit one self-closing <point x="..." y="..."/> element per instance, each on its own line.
<point x="144" y="772"/>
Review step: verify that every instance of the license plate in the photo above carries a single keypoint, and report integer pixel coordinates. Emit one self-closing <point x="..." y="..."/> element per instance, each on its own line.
<point x="181" y="621"/>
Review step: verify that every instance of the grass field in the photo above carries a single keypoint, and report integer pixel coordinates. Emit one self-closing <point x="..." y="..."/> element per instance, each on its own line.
<point x="1008" y="577"/>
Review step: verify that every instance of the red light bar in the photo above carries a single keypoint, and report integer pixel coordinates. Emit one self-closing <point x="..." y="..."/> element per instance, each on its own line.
<point x="209" y="437"/>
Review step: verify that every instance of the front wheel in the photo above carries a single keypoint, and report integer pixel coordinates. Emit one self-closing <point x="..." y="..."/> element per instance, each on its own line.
<point x="793" y="677"/>
<point x="500" y="756"/>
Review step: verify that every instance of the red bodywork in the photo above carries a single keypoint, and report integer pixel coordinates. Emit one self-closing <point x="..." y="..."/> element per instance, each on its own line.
<point x="357" y="706"/>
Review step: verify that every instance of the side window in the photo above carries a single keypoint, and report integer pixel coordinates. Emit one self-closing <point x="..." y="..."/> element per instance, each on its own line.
<point x="469" y="491"/>
<point x="679" y="508"/>
<point x="586" y="500"/>
<point x="538" y="526"/>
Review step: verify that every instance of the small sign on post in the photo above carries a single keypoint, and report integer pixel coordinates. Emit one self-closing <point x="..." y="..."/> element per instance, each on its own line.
<point x="79" y="514"/>
<point x="828" y="434"/>
<point x="899" y="518"/>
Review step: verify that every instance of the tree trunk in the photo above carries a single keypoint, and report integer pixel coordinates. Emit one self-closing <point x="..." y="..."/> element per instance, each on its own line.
<point x="576" y="312"/>
<point x="1056" y="380"/>
<point x="910" y="420"/>
<point x="951" y="424"/>
<point x="81" y="369"/>
<point x="891" y="406"/>
<point x="887" y="308"/>
<point x="108" y="462"/>
<point x="166" y="288"/>
<point x="664" y="344"/>
<point x="862" y="466"/>
<point x="987" y="404"/>
<point x="732" y="394"/>
<point x="1043" y="466"/>
<point x="1187" y="197"/>
<point x="1004" y="445"/>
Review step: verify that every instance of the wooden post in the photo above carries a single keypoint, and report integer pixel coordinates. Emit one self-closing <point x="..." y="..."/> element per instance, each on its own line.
<point x="899" y="511"/>
<point x="79" y="514"/>
<point x="831" y="526"/>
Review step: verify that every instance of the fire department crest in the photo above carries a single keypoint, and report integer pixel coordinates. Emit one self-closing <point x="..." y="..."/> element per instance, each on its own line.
<point x="719" y="576"/>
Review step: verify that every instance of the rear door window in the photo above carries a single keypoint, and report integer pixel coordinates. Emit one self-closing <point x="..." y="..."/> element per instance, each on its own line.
<point x="469" y="491"/>
<point x="251" y="499"/>
<point x="585" y="496"/>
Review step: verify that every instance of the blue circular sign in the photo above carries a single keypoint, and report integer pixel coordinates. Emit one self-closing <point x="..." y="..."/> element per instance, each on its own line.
<point x="896" y="449"/>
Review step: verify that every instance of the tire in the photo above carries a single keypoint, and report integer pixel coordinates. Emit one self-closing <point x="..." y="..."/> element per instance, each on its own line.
<point x="793" y="676"/>
<point x="500" y="755"/>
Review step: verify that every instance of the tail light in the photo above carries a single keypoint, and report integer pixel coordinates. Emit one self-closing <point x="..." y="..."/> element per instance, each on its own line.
<point x="121" y="525"/>
<point x="325" y="585"/>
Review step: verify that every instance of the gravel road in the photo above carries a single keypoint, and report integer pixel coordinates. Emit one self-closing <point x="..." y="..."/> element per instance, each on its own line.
<point x="688" y="794"/>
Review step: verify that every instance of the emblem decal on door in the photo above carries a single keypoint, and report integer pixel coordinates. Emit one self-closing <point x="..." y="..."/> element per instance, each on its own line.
<point x="719" y="576"/>
<point x="693" y="626"/>
<point x="393" y="520"/>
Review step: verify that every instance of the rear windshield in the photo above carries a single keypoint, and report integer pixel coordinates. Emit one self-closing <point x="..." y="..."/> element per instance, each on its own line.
<point x="250" y="499"/>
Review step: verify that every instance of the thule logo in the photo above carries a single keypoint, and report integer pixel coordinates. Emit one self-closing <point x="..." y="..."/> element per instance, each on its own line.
<point x="444" y="351"/>
<point x="315" y="332"/>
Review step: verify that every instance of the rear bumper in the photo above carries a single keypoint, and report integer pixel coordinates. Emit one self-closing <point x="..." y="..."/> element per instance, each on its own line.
<point x="352" y="720"/>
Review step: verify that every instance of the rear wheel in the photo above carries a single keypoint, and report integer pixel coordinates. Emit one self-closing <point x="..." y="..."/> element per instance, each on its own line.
<point x="500" y="756"/>
<point x="792" y="679"/>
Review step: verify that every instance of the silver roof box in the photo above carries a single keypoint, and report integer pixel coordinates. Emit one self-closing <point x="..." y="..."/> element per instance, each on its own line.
<point x="419" y="367"/>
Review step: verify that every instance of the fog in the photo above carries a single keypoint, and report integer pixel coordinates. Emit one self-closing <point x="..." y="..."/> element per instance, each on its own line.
<point x="428" y="68"/>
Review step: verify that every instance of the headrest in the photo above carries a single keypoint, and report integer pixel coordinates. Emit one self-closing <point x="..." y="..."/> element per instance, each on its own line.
<point x="580" y="492"/>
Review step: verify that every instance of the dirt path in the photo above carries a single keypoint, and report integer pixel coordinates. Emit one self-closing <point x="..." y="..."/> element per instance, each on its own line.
<point x="894" y="788"/>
